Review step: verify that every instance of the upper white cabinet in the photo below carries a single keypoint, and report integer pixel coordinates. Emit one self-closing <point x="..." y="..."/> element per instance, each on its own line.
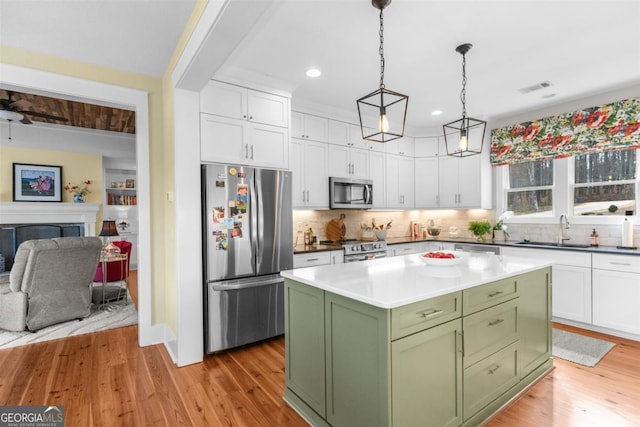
<point x="236" y="102"/>
<point x="426" y="146"/>
<point x="426" y="183"/>
<point x="310" y="180"/>
<point x="400" y="182"/>
<point x="460" y="182"/>
<point x="401" y="146"/>
<point x="224" y="140"/>
<point x="340" y="133"/>
<point x="309" y="127"/>
<point x="377" y="173"/>
<point x="348" y="162"/>
<point x="243" y="126"/>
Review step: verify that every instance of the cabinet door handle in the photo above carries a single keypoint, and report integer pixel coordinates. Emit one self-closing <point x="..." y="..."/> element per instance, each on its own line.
<point x="496" y="322"/>
<point x="461" y="342"/>
<point x="493" y="369"/>
<point x="626" y="264"/>
<point x="303" y="196"/>
<point x="251" y="151"/>
<point x="250" y="117"/>
<point x="433" y="312"/>
<point x="307" y="195"/>
<point x="246" y="151"/>
<point x="495" y="294"/>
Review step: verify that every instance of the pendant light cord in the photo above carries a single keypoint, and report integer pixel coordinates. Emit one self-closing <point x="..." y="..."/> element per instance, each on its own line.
<point x="463" y="93"/>
<point x="381" y="50"/>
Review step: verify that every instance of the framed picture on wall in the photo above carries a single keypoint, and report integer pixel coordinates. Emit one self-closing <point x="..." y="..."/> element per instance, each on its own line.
<point x="37" y="183"/>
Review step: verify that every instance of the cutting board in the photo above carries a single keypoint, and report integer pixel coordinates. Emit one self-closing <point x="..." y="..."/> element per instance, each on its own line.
<point x="336" y="230"/>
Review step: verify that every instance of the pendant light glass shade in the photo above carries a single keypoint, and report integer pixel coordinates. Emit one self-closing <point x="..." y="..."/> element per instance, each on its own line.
<point x="464" y="137"/>
<point x="383" y="112"/>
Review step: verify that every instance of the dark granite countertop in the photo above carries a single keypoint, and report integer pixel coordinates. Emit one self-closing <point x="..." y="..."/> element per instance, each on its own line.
<point x="516" y="244"/>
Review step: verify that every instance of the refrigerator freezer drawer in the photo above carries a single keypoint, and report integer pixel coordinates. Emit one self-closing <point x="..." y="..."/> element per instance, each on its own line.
<point x="241" y="315"/>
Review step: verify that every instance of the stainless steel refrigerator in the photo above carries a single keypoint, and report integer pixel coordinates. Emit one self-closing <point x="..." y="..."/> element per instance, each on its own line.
<point x="248" y="227"/>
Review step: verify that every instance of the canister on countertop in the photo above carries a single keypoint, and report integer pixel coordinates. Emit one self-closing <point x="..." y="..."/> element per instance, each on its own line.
<point x="594" y="239"/>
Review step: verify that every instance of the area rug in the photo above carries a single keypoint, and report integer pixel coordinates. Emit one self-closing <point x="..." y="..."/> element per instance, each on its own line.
<point x="99" y="320"/>
<point x="578" y="348"/>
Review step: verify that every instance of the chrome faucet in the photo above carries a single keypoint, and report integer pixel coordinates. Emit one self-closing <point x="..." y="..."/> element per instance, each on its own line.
<point x="567" y="225"/>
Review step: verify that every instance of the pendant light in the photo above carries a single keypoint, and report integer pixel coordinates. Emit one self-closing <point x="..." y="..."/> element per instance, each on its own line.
<point x="464" y="136"/>
<point x="382" y="112"/>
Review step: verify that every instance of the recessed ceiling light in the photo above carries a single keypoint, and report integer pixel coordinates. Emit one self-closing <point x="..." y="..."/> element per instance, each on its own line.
<point x="313" y="72"/>
<point x="436" y="112"/>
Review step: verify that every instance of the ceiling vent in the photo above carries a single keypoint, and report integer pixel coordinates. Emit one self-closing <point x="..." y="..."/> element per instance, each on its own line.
<point x="535" y="87"/>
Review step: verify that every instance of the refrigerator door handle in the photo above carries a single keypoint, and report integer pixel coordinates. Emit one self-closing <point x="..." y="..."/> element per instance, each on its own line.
<point x="243" y="284"/>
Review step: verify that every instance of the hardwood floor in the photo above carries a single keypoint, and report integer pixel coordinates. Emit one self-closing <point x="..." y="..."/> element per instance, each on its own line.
<point x="105" y="379"/>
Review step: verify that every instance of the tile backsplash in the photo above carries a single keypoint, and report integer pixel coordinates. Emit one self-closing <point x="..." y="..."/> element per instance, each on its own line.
<point x="610" y="235"/>
<point x="400" y="221"/>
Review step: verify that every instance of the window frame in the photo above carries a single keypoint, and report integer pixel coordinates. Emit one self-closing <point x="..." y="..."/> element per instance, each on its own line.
<point x="562" y="195"/>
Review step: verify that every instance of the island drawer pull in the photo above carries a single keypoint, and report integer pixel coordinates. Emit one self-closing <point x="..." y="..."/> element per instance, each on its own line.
<point x="495" y="368"/>
<point x="431" y="313"/>
<point x="496" y="322"/>
<point x="312" y="259"/>
<point x="626" y="264"/>
<point x="495" y="294"/>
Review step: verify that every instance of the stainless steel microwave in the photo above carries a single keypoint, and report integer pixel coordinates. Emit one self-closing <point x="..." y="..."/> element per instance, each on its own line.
<point x="347" y="193"/>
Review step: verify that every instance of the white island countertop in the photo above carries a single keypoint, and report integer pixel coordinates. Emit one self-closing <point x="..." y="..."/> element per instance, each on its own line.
<point x="394" y="282"/>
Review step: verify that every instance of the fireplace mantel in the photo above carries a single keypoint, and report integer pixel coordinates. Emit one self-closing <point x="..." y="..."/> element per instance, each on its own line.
<point x="45" y="213"/>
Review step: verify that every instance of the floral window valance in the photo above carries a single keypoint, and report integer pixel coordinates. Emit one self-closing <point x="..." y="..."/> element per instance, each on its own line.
<point x="614" y="126"/>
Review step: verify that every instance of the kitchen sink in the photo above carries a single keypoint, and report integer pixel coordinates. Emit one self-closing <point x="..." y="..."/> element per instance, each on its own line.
<point x="554" y="244"/>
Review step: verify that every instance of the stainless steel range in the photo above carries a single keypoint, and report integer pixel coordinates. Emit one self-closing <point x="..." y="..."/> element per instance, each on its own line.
<point x="362" y="251"/>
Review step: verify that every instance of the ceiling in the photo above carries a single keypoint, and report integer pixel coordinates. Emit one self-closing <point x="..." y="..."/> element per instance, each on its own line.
<point x="38" y="108"/>
<point x="580" y="47"/>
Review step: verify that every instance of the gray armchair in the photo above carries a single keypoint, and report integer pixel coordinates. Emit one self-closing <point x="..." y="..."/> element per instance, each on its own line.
<point x="49" y="282"/>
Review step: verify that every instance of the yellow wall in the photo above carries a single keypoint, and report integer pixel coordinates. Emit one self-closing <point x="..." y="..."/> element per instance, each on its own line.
<point x="76" y="168"/>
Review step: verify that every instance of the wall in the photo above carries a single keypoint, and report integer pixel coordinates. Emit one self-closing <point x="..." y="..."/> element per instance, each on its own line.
<point x="76" y="168"/>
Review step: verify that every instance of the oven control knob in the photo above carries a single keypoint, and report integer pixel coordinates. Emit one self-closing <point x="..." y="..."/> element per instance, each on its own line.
<point x="355" y="248"/>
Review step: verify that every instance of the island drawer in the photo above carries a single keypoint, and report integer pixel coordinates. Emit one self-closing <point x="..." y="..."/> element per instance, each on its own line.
<point x="489" y="330"/>
<point x="412" y="318"/>
<point x="485" y="296"/>
<point x="489" y="378"/>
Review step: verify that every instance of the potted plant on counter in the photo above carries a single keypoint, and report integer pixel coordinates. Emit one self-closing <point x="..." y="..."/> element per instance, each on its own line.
<point x="480" y="229"/>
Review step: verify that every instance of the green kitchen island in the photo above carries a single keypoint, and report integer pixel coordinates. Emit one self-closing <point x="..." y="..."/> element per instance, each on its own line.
<point x="395" y="342"/>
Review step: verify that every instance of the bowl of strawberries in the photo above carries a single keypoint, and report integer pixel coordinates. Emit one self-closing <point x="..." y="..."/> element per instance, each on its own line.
<point x="441" y="258"/>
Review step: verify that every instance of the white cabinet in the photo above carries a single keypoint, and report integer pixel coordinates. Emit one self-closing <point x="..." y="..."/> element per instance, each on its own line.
<point x="236" y="102"/>
<point x="425" y="146"/>
<point x="225" y="140"/>
<point x="460" y="182"/>
<point x="312" y="259"/>
<point x="309" y="127"/>
<point x="340" y="133"/>
<point x="616" y="292"/>
<point x="348" y="162"/>
<point x="377" y="173"/>
<point x="408" y="248"/>
<point x="400" y="182"/>
<point x="400" y="146"/>
<point x="310" y="174"/>
<point x="426" y="182"/>
<point x="572" y="297"/>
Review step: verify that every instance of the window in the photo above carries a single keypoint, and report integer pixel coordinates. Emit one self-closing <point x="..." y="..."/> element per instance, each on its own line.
<point x="604" y="183"/>
<point x="530" y="188"/>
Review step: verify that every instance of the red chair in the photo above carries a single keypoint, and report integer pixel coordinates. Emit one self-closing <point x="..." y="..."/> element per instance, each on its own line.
<point x="117" y="271"/>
